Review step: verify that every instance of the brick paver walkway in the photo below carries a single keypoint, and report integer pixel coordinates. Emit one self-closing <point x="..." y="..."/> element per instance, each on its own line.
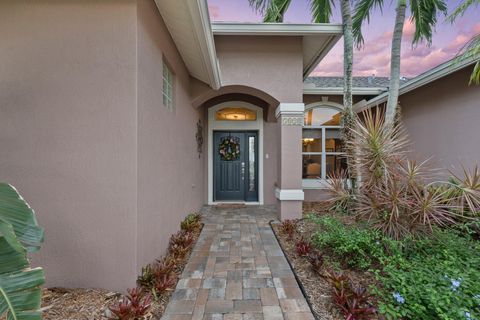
<point x="237" y="271"/>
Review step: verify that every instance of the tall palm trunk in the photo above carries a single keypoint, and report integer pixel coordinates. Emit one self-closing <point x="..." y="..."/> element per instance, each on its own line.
<point x="395" y="62"/>
<point x="348" y="114"/>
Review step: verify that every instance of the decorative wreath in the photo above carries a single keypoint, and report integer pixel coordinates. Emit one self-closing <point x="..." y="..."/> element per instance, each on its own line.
<point x="229" y="149"/>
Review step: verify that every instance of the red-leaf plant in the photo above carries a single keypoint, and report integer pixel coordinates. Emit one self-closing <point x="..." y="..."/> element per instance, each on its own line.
<point x="182" y="239"/>
<point x="135" y="304"/>
<point x="165" y="283"/>
<point x="303" y="247"/>
<point x="288" y="227"/>
<point x="352" y="300"/>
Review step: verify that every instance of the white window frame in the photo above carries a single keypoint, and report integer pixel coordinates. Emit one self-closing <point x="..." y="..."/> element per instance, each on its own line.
<point x="168" y="87"/>
<point x="322" y="182"/>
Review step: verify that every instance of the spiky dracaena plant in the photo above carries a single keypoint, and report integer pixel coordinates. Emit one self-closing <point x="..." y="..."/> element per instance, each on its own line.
<point x="394" y="195"/>
<point x="341" y="200"/>
<point x="465" y="191"/>
<point x="378" y="146"/>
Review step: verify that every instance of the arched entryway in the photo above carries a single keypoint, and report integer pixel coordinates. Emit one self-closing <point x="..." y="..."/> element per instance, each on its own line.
<point x="235" y="153"/>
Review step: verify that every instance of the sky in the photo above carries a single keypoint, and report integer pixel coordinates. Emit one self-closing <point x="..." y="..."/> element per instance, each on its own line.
<point x="374" y="58"/>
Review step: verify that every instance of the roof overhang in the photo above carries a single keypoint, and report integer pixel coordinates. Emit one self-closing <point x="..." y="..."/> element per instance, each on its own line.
<point x="318" y="38"/>
<point x="425" y="78"/>
<point x="359" y="91"/>
<point x="189" y="24"/>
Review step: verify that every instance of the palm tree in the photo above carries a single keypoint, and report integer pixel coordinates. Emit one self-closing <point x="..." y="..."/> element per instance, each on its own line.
<point x="423" y="15"/>
<point x="472" y="48"/>
<point x="321" y="10"/>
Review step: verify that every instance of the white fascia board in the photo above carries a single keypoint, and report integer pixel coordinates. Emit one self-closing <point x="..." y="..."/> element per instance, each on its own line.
<point x="276" y="29"/>
<point x="431" y="75"/>
<point x="203" y="31"/>
<point x="339" y="90"/>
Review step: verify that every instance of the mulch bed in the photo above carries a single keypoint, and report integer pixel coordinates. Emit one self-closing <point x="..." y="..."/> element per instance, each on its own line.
<point x="317" y="289"/>
<point x="92" y="304"/>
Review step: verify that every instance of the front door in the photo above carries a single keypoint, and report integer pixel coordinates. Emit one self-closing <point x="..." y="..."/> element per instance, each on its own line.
<point x="235" y="166"/>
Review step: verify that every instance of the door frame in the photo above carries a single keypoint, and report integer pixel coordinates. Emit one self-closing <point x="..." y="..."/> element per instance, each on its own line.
<point x="214" y="125"/>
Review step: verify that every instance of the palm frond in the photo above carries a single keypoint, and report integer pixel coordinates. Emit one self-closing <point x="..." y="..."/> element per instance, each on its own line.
<point x="260" y="5"/>
<point x="276" y="10"/>
<point x="362" y="11"/>
<point x="471" y="50"/>
<point x="461" y="9"/>
<point x="424" y="16"/>
<point x="321" y="10"/>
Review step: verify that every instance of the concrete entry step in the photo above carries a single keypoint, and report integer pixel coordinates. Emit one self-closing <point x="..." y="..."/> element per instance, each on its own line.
<point x="237" y="271"/>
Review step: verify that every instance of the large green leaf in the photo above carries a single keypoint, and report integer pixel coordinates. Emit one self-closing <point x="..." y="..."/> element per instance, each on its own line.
<point x="20" y="293"/>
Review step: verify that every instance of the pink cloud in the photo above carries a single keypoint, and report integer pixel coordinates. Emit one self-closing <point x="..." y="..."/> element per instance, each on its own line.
<point x="408" y="30"/>
<point x="214" y="11"/>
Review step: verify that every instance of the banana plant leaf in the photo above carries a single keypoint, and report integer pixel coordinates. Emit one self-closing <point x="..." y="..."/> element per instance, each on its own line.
<point x="20" y="293"/>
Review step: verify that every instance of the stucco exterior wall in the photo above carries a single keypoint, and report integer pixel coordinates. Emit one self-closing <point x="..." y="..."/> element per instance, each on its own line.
<point x="442" y="121"/>
<point x="170" y="172"/>
<point x="68" y="126"/>
<point x="271" y="64"/>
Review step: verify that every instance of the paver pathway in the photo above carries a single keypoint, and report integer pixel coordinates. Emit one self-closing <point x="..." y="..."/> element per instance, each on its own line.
<point x="237" y="271"/>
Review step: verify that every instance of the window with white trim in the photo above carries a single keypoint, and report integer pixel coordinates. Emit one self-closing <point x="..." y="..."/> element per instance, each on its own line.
<point x="322" y="149"/>
<point x="168" y="79"/>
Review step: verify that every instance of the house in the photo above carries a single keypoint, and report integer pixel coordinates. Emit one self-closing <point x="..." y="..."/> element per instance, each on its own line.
<point x="118" y="118"/>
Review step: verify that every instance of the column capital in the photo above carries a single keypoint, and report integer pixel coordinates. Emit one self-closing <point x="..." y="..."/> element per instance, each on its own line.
<point x="290" y="109"/>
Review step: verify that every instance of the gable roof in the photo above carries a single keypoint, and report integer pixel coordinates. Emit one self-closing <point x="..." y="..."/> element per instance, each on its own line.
<point x="425" y="78"/>
<point x="334" y="85"/>
<point x="318" y="38"/>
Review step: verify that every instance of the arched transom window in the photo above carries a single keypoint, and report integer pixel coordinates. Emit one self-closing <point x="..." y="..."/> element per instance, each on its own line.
<point x="235" y="114"/>
<point x="322" y="149"/>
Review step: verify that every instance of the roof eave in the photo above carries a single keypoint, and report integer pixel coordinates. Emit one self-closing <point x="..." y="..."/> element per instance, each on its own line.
<point x="203" y="27"/>
<point x="425" y="78"/>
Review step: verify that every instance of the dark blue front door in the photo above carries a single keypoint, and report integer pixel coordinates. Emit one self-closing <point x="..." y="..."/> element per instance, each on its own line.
<point x="235" y="166"/>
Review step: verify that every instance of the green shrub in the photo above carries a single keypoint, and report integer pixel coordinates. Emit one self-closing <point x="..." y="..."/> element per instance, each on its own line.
<point x="434" y="278"/>
<point x="354" y="246"/>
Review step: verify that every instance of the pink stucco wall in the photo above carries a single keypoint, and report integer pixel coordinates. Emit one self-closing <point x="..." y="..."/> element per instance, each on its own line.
<point x="86" y="139"/>
<point x="271" y="64"/>
<point x="68" y="124"/>
<point x="442" y="120"/>
<point x="170" y="172"/>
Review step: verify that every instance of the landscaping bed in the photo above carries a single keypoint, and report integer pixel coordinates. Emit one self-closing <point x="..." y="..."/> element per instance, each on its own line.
<point x="342" y="262"/>
<point x="316" y="286"/>
<point x="147" y="301"/>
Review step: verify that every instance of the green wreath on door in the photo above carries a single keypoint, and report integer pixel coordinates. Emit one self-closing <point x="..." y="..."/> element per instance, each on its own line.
<point x="229" y="149"/>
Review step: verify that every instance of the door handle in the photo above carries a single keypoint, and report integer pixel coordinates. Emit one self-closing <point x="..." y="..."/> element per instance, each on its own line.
<point x="243" y="171"/>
